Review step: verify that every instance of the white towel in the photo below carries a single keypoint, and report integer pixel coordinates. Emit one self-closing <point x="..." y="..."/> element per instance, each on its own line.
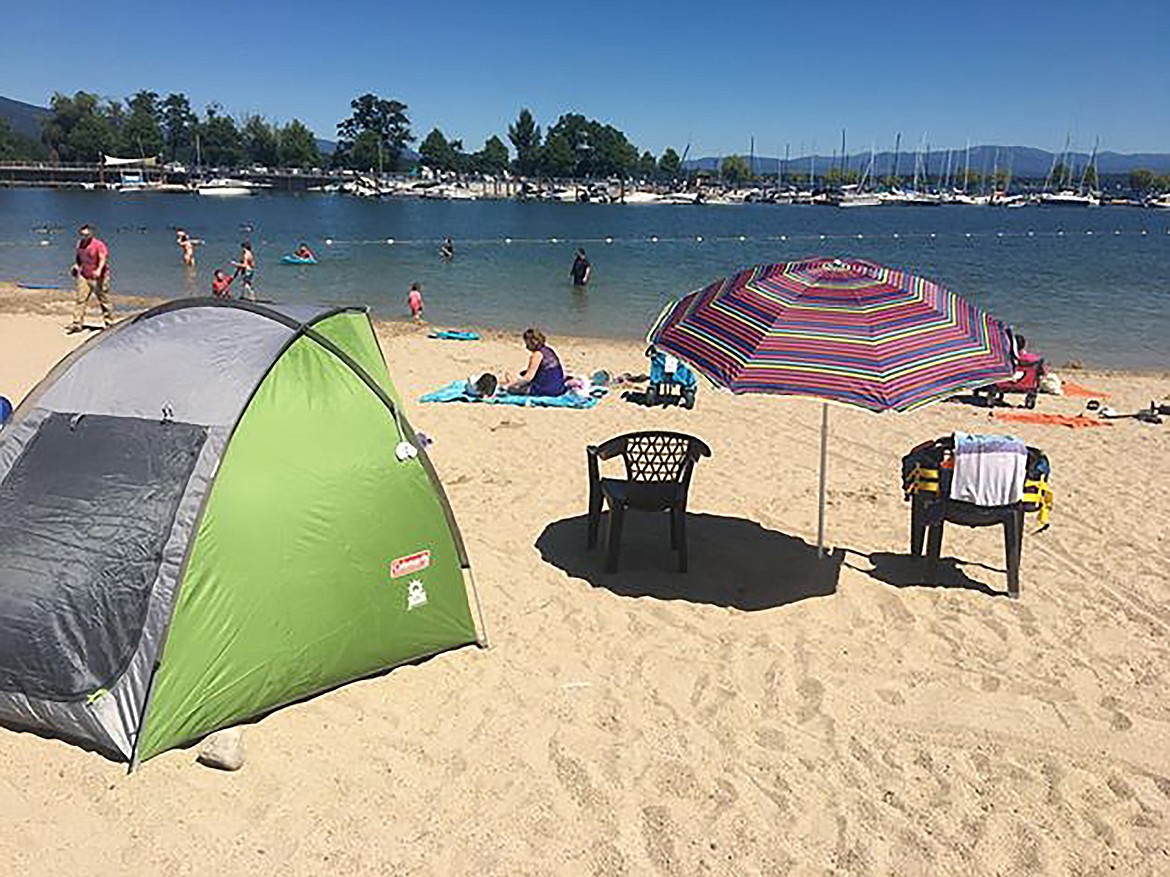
<point x="989" y="469"/>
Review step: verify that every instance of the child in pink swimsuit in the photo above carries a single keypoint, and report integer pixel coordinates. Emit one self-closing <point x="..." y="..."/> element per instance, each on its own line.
<point x="414" y="299"/>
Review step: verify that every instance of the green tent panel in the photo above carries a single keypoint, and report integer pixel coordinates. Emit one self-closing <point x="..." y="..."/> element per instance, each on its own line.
<point x="304" y="540"/>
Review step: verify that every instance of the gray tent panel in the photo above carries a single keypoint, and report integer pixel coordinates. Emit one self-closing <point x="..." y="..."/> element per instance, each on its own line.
<point x="200" y="364"/>
<point x="80" y="547"/>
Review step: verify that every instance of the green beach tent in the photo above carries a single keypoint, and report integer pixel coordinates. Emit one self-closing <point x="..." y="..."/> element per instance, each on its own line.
<point x="214" y="509"/>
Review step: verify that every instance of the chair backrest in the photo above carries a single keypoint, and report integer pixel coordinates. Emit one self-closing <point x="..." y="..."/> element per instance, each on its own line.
<point x="657" y="456"/>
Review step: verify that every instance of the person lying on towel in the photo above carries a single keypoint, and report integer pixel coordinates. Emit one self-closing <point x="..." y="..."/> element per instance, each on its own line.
<point x="543" y="376"/>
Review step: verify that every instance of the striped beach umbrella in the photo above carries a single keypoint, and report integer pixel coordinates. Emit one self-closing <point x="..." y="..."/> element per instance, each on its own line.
<point x="847" y="331"/>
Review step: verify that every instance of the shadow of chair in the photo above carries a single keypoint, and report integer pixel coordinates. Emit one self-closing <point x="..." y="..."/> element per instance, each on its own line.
<point x="905" y="571"/>
<point x="734" y="562"/>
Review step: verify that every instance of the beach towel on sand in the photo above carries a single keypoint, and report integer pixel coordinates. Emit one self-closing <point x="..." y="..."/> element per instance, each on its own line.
<point x="1078" y="421"/>
<point x="454" y="335"/>
<point x="989" y="469"/>
<point x="456" y="391"/>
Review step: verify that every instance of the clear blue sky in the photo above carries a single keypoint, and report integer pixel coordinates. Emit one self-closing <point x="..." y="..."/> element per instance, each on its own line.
<point x="1013" y="73"/>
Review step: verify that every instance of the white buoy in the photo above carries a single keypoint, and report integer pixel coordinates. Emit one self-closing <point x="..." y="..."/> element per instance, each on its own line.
<point x="1117" y="231"/>
<point x="553" y="241"/>
<point x="1088" y="232"/>
<point x="742" y="238"/>
<point x="507" y="240"/>
<point x="1031" y="233"/>
<point x="654" y="238"/>
<point x="999" y="234"/>
<point x="967" y="235"/>
<point x="390" y="240"/>
<point x="783" y="237"/>
<point x="44" y="243"/>
<point x="822" y="237"/>
<point x="896" y="235"/>
<point x="609" y="240"/>
<point x="699" y="238"/>
<point x="932" y="234"/>
<point x="328" y="242"/>
<point x="1143" y="232"/>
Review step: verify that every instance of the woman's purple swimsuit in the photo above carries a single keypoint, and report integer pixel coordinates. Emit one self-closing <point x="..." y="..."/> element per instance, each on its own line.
<point x="549" y="379"/>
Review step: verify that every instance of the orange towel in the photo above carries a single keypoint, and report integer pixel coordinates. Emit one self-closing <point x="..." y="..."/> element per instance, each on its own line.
<point x="1077" y="422"/>
<point x="1071" y="389"/>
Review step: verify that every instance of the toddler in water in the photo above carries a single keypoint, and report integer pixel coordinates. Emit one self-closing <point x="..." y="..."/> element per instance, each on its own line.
<point x="414" y="299"/>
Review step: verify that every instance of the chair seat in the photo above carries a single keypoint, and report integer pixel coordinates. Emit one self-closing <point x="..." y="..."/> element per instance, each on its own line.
<point x="968" y="514"/>
<point x="647" y="496"/>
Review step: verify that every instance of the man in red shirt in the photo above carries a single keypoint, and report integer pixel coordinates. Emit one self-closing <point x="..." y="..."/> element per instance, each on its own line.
<point x="92" y="272"/>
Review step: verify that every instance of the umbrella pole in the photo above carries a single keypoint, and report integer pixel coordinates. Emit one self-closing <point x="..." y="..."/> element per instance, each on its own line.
<point x="824" y="474"/>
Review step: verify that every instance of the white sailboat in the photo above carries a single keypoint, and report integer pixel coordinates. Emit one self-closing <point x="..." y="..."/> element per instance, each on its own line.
<point x="226" y="186"/>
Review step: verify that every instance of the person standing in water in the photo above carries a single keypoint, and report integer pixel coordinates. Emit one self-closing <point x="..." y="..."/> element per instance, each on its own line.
<point x="447" y="250"/>
<point x="246" y="270"/>
<point x="186" y="247"/>
<point x="91" y="269"/>
<point x="581" y="269"/>
<point x="414" y="299"/>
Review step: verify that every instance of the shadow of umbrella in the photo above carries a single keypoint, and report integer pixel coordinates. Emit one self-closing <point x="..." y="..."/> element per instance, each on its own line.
<point x="733" y="562"/>
<point x="906" y="571"/>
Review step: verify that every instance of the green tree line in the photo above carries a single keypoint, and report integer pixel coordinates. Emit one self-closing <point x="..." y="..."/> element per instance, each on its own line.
<point x="82" y="127"/>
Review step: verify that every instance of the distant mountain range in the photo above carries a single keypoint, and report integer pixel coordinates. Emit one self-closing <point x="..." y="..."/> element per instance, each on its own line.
<point x="1021" y="161"/>
<point x="24" y="118"/>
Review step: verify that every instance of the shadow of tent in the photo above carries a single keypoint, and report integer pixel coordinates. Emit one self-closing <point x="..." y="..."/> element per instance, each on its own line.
<point x="906" y="571"/>
<point x="733" y="562"/>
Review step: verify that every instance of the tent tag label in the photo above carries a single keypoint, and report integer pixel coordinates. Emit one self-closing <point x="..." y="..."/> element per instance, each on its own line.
<point x="410" y="564"/>
<point x="416" y="595"/>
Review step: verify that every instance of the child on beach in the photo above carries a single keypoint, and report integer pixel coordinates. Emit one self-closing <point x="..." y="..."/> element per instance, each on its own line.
<point x="414" y="299"/>
<point x="221" y="284"/>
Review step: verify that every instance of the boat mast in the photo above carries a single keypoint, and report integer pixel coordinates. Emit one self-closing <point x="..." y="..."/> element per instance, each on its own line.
<point x="967" y="168"/>
<point x="1092" y="162"/>
<point x="894" y="170"/>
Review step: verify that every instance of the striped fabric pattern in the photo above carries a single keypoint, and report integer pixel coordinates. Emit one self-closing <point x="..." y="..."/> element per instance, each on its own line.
<point x="848" y="331"/>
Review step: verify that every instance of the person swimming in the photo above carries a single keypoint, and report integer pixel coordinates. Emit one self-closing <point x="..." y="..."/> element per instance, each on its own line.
<point x="447" y="249"/>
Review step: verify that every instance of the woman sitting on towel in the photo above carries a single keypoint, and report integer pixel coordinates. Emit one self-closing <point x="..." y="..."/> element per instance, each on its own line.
<point x="543" y="376"/>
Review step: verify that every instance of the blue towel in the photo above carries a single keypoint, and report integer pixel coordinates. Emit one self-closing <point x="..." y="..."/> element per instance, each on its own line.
<point x="452" y="335"/>
<point x="456" y="391"/>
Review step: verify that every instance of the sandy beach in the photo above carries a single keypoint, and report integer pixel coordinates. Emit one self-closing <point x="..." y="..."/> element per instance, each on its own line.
<point x="765" y="714"/>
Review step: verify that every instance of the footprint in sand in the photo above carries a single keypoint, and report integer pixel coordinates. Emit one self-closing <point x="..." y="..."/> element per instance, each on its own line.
<point x="1118" y="720"/>
<point x="811" y="693"/>
<point x="658" y="833"/>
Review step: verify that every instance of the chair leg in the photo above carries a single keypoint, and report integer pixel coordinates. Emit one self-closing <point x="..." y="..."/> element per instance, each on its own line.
<point x="917" y="526"/>
<point x="673" y="528"/>
<point x="933" y="551"/>
<point x="595" y="502"/>
<point x="1013" y="538"/>
<point x="617" y="515"/>
<point x="681" y="527"/>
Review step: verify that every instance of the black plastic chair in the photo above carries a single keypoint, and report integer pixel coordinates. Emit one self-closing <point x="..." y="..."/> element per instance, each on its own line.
<point x="928" y="516"/>
<point x="927" y="483"/>
<point x="658" y="475"/>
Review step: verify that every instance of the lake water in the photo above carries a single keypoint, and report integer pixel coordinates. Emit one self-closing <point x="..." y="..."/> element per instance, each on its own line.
<point x="1083" y="283"/>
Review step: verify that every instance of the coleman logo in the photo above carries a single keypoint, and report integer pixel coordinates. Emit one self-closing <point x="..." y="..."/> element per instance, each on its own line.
<point x="409" y="565"/>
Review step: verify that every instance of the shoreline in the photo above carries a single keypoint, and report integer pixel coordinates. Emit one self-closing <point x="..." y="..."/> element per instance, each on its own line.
<point x="17" y="300"/>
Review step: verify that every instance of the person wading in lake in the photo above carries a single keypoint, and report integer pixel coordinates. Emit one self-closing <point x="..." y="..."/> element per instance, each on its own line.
<point x="186" y="247"/>
<point x="581" y="269"/>
<point x="447" y="250"/>
<point x="91" y="270"/>
<point x="246" y="269"/>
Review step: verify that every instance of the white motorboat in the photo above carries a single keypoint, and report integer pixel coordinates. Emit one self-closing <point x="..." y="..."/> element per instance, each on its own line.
<point x="1162" y="202"/>
<point x="1069" y="198"/>
<point x="226" y="186"/>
